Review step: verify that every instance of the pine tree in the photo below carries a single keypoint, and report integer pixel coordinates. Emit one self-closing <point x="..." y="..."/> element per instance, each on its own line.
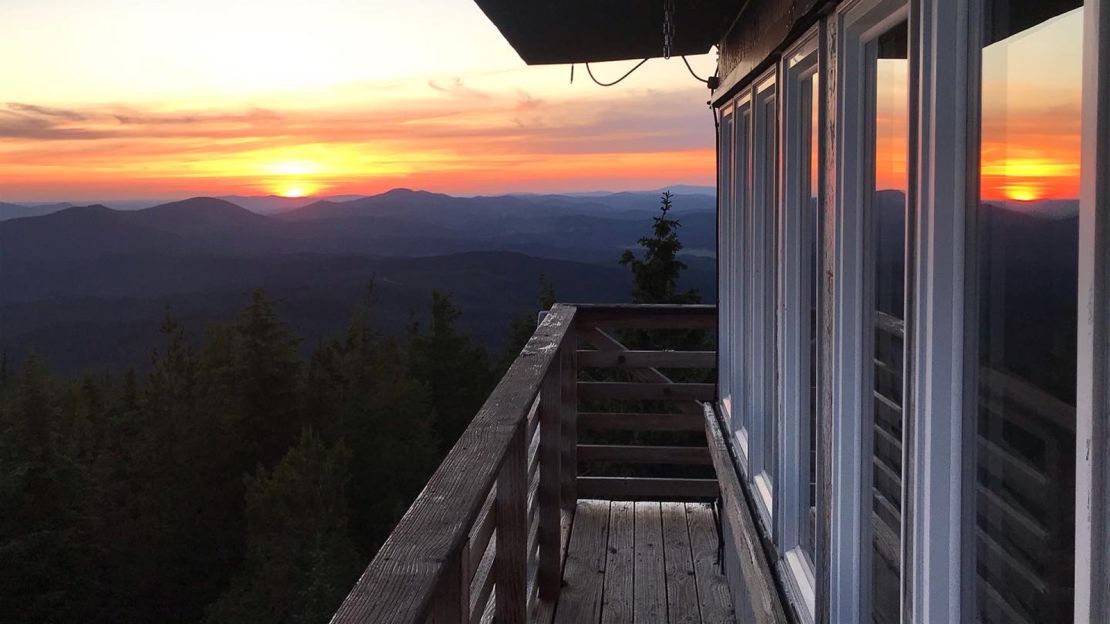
<point x="456" y="370"/>
<point x="299" y="562"/>
<point x="657" y="274"/>
<point x="42" y="499"/>
<point x="266" y="369"/>
<point x="522" y="326"/>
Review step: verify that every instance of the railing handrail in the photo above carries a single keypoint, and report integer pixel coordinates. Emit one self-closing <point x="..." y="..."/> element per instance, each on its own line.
<point x="400" y="582"/>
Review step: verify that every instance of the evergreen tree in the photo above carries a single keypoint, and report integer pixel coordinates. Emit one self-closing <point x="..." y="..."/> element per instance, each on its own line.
<point x="522" y="326"/>
<point x="299" y="562"/>
<point x="42" y="499"/>
<point x="655" y="280"/>
<point x="657" y="273"/>
<point x="265" y="370"/>
<point x="456" y="370"/>
<point x="360" y="390"/>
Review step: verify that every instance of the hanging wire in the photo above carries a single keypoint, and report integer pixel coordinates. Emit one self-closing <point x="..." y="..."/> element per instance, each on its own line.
<point x="691" y="70"/>
<point x="609" y="84"/>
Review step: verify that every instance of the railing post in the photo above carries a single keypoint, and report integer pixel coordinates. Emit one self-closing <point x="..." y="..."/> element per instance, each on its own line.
<point x="547" y="497"/>
<point x="568" y="490"/>
<point x="452" y="605"/>
<point x="511" y="563"/>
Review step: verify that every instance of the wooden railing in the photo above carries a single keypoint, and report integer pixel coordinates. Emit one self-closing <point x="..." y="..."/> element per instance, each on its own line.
<point x="486" y="537"/>
<point x="630" y="390"/>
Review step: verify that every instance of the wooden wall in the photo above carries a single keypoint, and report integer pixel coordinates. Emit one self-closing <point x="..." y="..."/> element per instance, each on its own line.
<point x="761" y="30"/>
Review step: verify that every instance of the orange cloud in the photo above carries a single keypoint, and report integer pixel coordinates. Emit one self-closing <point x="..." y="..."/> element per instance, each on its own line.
<point x="473" y="142"/>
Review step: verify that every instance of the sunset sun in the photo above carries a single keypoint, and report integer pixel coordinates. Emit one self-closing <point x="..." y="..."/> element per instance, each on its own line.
<point x="294" y="189"/>
<point x="1022" y="192"/>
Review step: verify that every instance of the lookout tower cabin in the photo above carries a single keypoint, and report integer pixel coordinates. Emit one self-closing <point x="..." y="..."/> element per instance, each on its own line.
<point x="906" y="415"/>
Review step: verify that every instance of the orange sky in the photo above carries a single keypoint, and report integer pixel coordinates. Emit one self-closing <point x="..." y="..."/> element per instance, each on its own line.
<point x="117" y="99"/>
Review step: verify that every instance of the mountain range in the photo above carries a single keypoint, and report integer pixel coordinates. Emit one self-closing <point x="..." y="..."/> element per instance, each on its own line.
<point x="87" y="286"/>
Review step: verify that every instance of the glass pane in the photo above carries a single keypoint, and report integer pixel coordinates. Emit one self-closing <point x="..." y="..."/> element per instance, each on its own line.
<point x="1026" y="251"/>
<point x="764" y="228"/>
<point x="812" y="288"/>
<point x="888" y="215"/>
<point x="740" y="263"/>
<point x="725" y="273"/>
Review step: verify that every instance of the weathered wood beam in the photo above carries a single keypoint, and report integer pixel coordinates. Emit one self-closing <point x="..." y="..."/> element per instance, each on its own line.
<point x="632" y="391"/>
<point x="632" y="421"/>
<point x="648" y="316"/>
<point x="548" y="501"/>
<point x="756" y="578"/>
<point x="629" y="454"/>
<point x="510" y="564"/>
<point x="625" y="488"/>
<point x="642" y="359"/>
<point x="603" y="341"/>
<point x="568" y="492"/>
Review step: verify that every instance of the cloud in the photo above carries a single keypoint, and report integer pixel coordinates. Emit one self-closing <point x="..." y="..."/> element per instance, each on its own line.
<point x="475" y="137"/>
<point x="46" y="111"/>
<point x="458" y="89"/>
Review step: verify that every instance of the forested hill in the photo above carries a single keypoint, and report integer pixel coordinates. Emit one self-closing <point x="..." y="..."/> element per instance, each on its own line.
<point x="237" y="481"/>
<point x="193" y="448"/>
<point x="86" y="287"/>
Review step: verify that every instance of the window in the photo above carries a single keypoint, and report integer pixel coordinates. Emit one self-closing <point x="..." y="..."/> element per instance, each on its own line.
<point x="870" y="219"/>
<point x="887" y="213"/>
<point x="799" y="304"/>
<point x="1024" y="313"/>
<point x="737" y="241"/>
<point x="761" y="305"/>
<point x="725" y="283"/>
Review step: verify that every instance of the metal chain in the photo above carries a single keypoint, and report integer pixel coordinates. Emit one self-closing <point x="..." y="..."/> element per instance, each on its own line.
<point x="668" y="28"/>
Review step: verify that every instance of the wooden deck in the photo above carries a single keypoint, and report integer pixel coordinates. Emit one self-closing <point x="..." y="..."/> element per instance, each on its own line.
<point x="647" y="562"/>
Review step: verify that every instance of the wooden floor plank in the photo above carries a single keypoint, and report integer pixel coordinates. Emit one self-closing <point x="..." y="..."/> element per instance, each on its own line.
<point x="713" y="595"/>
<point x="584" y="570"/>
<point x="618" y="597"/>
<point x="682" y="591"/>
<point x="649" y="593"/>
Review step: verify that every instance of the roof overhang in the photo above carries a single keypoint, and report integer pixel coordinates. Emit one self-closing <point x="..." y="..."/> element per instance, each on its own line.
<point x="545" y="32"/>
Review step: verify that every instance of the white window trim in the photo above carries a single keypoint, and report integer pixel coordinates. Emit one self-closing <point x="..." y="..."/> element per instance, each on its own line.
<point x="725" y="253"/>
<point x="857" y="23"/>
<point x="934" y="456"/>
<point x="761" y="303"/>
<point x="1092" y="478"/>
<point x="741" y="185"/>
<point x="799" y="64"/>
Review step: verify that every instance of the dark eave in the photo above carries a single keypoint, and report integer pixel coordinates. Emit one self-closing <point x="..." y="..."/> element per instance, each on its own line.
<point x="545" y="32"/>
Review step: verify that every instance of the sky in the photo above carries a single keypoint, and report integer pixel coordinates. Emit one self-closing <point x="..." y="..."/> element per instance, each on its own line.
<point x="131" y="99"/>
<point x="138" y="99"/>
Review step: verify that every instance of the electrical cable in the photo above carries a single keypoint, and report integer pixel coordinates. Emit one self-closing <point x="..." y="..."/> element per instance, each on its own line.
<point x="691" y="70"/>
<point x="609" y="84"/>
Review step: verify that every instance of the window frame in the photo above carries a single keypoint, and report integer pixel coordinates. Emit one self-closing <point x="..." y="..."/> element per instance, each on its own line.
<point x="725" y="274"/>
<point x="1092" y="533"/>
<point x="858" y="23"/>
<point x="738" y="235"/>
<point x="799" y="64"/>
<point x="760" y="355"/>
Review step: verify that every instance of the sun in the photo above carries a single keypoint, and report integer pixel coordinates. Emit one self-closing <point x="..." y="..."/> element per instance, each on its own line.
<point x="1022" y="192"/>
<point x="294" y="188"/>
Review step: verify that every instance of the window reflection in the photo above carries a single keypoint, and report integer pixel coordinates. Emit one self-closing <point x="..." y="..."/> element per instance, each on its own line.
<point x="812" y="290"/>
<point x="888" y="216"/>
<point x="1026" y="251"/>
